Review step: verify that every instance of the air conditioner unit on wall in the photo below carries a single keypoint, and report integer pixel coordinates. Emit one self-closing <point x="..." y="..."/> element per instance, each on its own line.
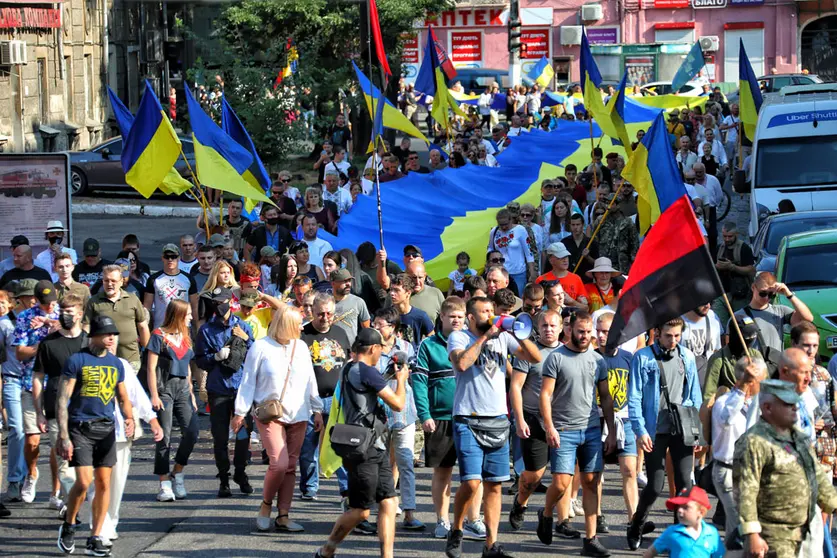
<point x="571" y="34"/>
<point x="13" y="53"/>
<point x="591" y="12"/>
<point x="710" y="43"/>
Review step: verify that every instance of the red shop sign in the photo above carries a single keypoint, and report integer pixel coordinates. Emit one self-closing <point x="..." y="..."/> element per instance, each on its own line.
<point x="536" y="42"/>
<point x="409" y="48"/>
<point x="671" y="4"/>
<point x="465" y="46"/>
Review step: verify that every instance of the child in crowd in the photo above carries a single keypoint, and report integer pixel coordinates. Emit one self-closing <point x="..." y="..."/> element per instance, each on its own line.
<point x="458" y="275"/>
<point x="691" y="537"/>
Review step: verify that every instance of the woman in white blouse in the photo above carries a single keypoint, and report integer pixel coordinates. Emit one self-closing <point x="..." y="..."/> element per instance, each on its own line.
<point x="279" y="367"/>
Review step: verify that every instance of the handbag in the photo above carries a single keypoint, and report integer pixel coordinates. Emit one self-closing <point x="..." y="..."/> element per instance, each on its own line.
<point x="350" y="441"/>
<point x="490" y="432"/>
<point x="686" y="420"/>
<point x="269" y="411"/>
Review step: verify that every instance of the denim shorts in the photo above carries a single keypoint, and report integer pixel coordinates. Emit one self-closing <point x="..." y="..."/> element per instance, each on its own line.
<point x="586" y="445"/>
<point x="476" y="462"/>
<point x="630" y="440"/>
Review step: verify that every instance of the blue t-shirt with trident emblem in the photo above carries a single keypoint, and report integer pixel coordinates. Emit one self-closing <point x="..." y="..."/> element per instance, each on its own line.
<point x="96" y="380"/>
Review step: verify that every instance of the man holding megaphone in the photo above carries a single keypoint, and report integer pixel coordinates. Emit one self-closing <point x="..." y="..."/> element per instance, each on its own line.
<point x="479" y="356"/>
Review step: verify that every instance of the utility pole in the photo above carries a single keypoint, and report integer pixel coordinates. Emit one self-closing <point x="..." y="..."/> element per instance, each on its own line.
<point x="514" y="42"/>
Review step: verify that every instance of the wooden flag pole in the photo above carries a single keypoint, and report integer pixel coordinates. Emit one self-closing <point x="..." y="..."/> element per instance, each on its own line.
<point x="601" y="221"/>
<point x="200" y="198"/>
<point x="737" y="329"/>
<point x="592" y="147"/>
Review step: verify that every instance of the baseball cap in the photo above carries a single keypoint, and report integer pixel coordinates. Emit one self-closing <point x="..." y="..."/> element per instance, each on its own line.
<point x="90" y="247"/>
<point x="220" y="294"/>
<point x="694" y="494"/>
<point x="341" y="274"/>
<point x="45" y="292"/>
<point x="784" y="391"/>
<point x="558" y="250"/>
<point x="55" y="226"/>
<point x="249" y="300"/>
<point x="125" y="264"/>
<point x="749" y="328"/>
<point x="19" y="240"/>
<point x="171" y="249"/>
<point x="217" y="241"/>
<point x="25" y="287"/>
<point x="267" y="251"/>
<point x="367" y="337"/>
<point x="103" y="325"/>
<point x="412" y="248"/>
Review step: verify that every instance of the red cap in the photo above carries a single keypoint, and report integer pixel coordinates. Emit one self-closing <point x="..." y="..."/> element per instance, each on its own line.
<point x="694" y="494"/>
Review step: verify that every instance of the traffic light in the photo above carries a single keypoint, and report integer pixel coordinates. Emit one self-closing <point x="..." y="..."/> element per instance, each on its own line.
<point x="514" y="34"/>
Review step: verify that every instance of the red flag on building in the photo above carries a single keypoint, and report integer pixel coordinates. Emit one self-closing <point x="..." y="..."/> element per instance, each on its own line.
<point x="378" y="39"/>
<point x="673" y="273"/>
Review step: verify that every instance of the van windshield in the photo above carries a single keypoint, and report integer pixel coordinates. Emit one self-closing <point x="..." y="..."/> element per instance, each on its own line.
<point x="796" y="161"/>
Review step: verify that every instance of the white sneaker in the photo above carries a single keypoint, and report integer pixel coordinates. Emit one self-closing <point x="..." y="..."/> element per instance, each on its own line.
<point x="641" y="480"/>
<point x="577" y="507"/>
<point x="30" y="485"/>
<point x="165" y="494"/>
<point x="570" y="512"/>
<point x="398" y="511"/>
<point x="179" y="485"/>
<point x="474" y="530"/>
<point x="55" y="502"/>
<point x="442" y="529"/>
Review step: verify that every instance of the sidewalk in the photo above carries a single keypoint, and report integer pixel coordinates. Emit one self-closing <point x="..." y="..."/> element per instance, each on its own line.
<point x="155" y="207"/>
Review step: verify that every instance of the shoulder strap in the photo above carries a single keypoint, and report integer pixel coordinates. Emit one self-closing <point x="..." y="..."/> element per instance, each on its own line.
<point x="288" y="375"/>
<point x="663" y="384"/>
<point x="765" y="349"/>
<point x="708" y="341"/>
<point x="492" y="245"/>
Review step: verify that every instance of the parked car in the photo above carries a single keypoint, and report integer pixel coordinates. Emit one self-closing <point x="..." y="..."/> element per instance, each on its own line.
<point x="776" y="227"/>
<point x="100" y="167"/>
<point x="775" y="82"/>
<point x="690" y="89"/>
<point x="807" y="264"/>
<point x="475" y="80"/>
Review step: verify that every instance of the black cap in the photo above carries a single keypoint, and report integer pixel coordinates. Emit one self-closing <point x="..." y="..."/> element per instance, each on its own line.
<point x="367" y="337"/>
<point x="412" y="248"/>
<point x="749" y="328"/>
<point x="103" y="325"/>
<point x="45" y="292"/>
<point x="19" y="240"/>
<point x="220" y="294"/>
<point x="90" y="247"/>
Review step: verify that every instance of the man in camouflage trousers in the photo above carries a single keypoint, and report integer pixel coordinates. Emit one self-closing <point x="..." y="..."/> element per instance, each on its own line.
<point x="775" y="475"/>
<point x="618" y="237"/>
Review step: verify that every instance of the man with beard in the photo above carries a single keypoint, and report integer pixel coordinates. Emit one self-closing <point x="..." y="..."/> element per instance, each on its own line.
<point x="572" y="374"/>
<point x="480" y="424"/>
<point x="702" y="336"/>
<point x="736" y="268"/>
<point x="272" y="234"/>
<point x="350" y="312"/>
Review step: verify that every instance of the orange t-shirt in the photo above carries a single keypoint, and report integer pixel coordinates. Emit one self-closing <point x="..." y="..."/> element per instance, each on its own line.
<point x="598" y="299"/>
<point x="571" y="283"/>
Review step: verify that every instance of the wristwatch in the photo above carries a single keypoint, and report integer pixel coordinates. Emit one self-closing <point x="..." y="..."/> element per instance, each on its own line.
<point x="790" y="295"/>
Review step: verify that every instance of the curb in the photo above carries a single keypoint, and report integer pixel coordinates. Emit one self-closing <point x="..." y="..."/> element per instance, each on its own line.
<point x="137" y="210"/>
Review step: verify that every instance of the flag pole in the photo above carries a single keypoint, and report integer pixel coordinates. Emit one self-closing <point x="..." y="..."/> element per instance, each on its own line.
<point x="592" y="147"/>
<point x="601" y="221"/>
<point x="374" y="134"/>
<point x="200" y="198"/>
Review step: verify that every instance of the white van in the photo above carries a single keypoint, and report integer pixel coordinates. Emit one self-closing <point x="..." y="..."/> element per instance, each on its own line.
<point x="795" y="151"/>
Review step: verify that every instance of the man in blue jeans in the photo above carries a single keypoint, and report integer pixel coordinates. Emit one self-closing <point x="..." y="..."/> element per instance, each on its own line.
<point x="479" y="356"/>
<point x="572" y="375"/>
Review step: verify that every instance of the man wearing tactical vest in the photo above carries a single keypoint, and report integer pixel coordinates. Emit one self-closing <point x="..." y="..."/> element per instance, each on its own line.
<point x="736" y="268"/>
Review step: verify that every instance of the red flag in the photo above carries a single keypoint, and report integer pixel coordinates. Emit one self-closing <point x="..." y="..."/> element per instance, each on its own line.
<point x="673" y="274"/>
<point x="442" y="55"/>
<point x="375" y="24"/>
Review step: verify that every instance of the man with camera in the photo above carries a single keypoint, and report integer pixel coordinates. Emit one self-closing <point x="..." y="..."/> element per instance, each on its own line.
<point x="361" y="442"/>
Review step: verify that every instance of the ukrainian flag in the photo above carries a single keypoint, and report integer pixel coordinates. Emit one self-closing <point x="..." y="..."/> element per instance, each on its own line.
<point x="392" y="117"/>
<point x="749" y="94"/>
<point x="256" y="175"/>
<point x="431" y="81"/>
<point x="591" y="78"/>
<point x="616" y="108"/>
<point x="542" y="72"/>
<point x="151" y="146"/>
<point x="220" y="161"/>
<point x="653" y="172"/>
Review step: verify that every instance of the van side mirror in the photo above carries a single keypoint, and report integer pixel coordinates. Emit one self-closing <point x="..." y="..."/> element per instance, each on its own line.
<point x="739" y="182"/>
<point x="105" y="153"/>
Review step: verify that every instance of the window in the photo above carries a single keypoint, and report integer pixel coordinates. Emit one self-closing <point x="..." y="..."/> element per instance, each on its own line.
<point x="686" y="36"/>
<point x="43" y="90"/>
<point x="778" y="83"/>
<point x="115" y="147"/>
<point x="781" y="229"/>
<point x="796" y="162"/>
<point x="811" y="267"/>
<point x="802" y="80"/>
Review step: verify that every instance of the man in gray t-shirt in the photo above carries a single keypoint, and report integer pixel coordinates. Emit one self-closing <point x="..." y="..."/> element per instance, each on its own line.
<point x="350" y="312"/>
<point x="572" y="375"/>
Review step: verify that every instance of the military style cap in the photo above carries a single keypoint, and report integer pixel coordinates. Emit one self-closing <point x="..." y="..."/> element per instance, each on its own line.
<point x="785" y="391"/>
<point x="250" y="300"/>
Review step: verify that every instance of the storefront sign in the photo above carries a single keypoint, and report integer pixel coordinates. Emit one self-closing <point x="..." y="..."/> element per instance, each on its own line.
<point x="670" y="4"/>
<point x="746" y="2"/>
<point x="39" y="18"/>
<point x="640" y="69"/>
<point x="698" y="4"/>
<point x="478" y="17"/>
<point x="466" y="48"/>
<point x="535" y="44"/>
<point x="603" y="35"/>
<point x="410" y="48"/>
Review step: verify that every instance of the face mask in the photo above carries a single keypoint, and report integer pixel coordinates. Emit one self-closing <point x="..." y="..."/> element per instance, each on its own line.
<point x="66" y="320"/>
<point x="273" y="221"/>
<point x="222" y="309"/>
<point x="56" y="239"/>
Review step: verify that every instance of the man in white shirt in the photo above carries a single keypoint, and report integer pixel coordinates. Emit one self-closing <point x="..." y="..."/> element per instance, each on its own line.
<point x="339" y="165"/>
<point x="730" y="125"/>
<point x="515" y="129"/>
<point x="729" y="422"/>
<point x="712" y="194"/>
<point x="701" y="335"/>
<point x="333" y="193"/>
<point x="484" y="104"/>
<point x="685" y="156"/>
<point x="55" y="236"/>
<point x="317" y="247"/>
<point x="533" y="100"/>
<point x="717" y="149"/>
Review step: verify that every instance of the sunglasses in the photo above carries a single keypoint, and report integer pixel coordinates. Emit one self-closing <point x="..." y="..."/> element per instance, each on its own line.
<point x="170" y="256"/>
<point x="528" y="308"/>
<point x="764" y="294"/>
<point x="284" y="180"/>
<point x="497" y="260"/>
<point x="527" y="214"/>
<point x="412" y="255"/>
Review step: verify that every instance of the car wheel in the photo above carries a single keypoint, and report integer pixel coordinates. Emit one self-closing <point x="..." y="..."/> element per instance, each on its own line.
<point x="78" y="182"/>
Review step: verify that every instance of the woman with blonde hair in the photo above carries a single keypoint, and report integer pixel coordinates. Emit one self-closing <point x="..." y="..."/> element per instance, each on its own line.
<point x="325" y="215"/>
<point x="278" y="380"/>
<point x="170" y="387"/>
<point x="222" y="275"/>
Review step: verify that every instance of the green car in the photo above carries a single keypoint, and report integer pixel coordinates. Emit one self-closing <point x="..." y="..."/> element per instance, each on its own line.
<point x="807" y="264"/>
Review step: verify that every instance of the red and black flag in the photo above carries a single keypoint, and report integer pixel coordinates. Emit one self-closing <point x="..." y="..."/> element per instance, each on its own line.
<point x="377" y="38"/>
<point x="673" y="273"/>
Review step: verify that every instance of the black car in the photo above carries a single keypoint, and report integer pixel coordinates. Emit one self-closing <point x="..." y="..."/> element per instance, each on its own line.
<point x="776" y="227"/>
<point x="100" y="167"/>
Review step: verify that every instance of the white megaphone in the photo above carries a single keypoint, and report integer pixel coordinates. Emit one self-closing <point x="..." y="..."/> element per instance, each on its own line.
<point x="520" y="326"/>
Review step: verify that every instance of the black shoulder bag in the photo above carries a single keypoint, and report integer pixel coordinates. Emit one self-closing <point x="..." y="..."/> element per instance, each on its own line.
<point x="771" y="358"/>
<point x="350" y="441"/>
<point x="686" y="420"/>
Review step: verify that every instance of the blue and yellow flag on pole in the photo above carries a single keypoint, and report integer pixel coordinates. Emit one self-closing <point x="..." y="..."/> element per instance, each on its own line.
<point x="653" y="172"/>
<point x="749" y="94"/>
<point x="616" y="109"/>
<point x="220" y="161"/>
<point x="591" y="78"/>
<point x="431" y="81"/>
<point x="392" y="117"/>
<point x="689" y="68"/>
<point x="151" y="146"/>
<point x="542" y="72"/>
<point x="256" y="174"/>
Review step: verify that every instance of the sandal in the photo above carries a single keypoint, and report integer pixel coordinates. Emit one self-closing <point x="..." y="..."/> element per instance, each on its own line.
<point x="263" y="522"/>
<point x="290" y="527"/>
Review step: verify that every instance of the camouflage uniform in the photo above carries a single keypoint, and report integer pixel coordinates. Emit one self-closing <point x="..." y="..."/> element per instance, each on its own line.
<point x="774" y="476"/>
<point x="618" y="240"/>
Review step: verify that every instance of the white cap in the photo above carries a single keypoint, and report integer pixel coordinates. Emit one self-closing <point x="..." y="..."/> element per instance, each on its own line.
<point x="558" y="250"/>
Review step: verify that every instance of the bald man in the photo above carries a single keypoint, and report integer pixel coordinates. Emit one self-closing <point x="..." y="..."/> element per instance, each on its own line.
<point x="426" y="298"/>
<point x="24" y="267"/>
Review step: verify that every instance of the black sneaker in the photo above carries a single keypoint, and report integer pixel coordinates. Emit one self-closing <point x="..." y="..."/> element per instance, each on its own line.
<point x="95" y="547"/>
<point x="62" y="515"/>
<point x="453" y="547"/>
<point x="66" y="538"/>
<point x="565" y="531"/>
<point x="496" y="551"/>
<point x="516" y="515"/>
<point x="4" y="511"/>
<point x="243" y="482"/>
<point x="544" y="528"/>
<point x="634" y="536"/>
<point x="648" y="527"/>
<point x="593" y="547"/>
<point x="365" y="528"/>
<point x="602" y="527"/>
<point x="224" y="490"/>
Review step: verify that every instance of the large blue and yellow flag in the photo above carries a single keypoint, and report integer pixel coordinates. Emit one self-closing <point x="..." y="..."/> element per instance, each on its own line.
<point x="151" y="146"/>
<point x="616" y="109"/>
<point x="689" y="68"/>
<point x="542" y="72"/>
<point x="653" y="172"/>
<point x="392" y="117"/>
<point x="256" y="174"/>
<point x="591" y="78"/>
<point x="749" y="94"/>
<point x="220" y="161"/>
<point x="431" y="81"/>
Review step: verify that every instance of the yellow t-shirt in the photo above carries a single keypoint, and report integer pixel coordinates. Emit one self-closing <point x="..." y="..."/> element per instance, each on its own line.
<point x="258" y="320"/>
